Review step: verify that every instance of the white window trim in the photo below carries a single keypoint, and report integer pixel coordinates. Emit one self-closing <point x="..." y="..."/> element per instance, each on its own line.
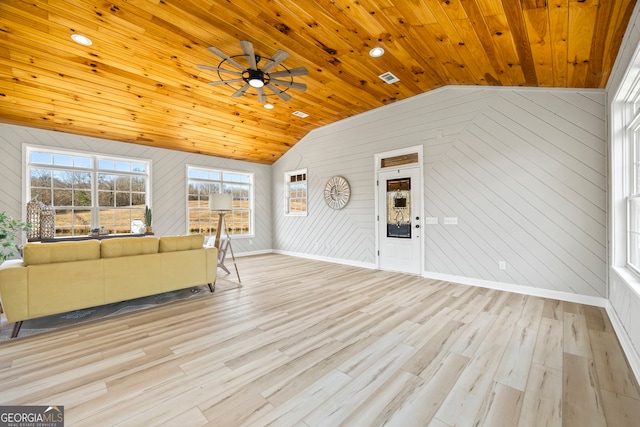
<point x="287" y="178"/>
<point x="27" y="148"/>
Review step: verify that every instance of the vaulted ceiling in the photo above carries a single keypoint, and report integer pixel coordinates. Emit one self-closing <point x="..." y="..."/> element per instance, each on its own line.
<point x="139" y="82"/>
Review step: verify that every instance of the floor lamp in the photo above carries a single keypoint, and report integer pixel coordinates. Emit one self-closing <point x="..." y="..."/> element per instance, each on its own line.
<point x="223" y="203"/>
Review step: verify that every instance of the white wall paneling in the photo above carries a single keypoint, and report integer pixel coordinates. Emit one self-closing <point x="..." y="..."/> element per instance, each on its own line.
<point x="10" y="172"/>
<point x="168" y="179"/>
<point x="623" y="309"/>
<point x="523" y="170"/>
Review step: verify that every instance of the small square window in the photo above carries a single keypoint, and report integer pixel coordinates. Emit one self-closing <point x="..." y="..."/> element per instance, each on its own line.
<point x="295" y="186"/>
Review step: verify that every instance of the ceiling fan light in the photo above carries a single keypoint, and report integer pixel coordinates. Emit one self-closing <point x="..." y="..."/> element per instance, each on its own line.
<point x="256" y="82"/>
<point x="376" y="52"/>
<point x="268" y="106"/>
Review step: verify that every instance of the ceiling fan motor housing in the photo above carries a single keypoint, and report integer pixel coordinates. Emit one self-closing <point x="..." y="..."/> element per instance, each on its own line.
<point x="255" y="78"/>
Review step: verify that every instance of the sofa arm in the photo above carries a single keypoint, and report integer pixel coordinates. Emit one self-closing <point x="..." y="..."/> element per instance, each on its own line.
<point x="212" y="263"/>
<point x="13" y="290"/>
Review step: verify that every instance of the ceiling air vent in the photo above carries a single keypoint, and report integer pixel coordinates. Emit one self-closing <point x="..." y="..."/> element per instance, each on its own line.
<point x="300" y="114"/>
<point x="389" y="77"/>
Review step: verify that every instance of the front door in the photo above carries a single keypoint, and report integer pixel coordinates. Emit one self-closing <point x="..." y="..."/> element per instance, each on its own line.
<point x="399" y="222"/>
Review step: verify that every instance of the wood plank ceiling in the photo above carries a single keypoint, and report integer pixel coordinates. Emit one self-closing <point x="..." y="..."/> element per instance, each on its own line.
<point x="139" y="81"/>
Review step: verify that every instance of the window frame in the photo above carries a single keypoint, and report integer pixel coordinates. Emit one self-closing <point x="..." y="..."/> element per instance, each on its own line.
<point x="221" y="182"/>
<point x="632" y="149"/>
<point x="94" y="170"/>
<point x="628" y="113"/>
<point x="287" y="192"/>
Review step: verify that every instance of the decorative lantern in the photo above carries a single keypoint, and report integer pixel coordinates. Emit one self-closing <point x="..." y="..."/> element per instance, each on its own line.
<point x="47" y="222"/>
<point x="34" y="207"/>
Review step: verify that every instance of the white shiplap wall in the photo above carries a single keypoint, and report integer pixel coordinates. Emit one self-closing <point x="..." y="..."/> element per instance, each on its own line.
<point x="524" y="170"/>
<point x="168" y="179"/>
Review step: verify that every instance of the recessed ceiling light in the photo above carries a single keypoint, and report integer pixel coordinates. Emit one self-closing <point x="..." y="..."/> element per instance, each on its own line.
<point x="268" y="106"/>
<point x="80" y="39"/>
<point x="376" y="52"/>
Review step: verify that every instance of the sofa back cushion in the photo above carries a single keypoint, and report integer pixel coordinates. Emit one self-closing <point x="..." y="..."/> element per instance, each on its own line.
<point x="128" y="246"/>
<point x="49" y="253"/>
<point x="181" y="243"/>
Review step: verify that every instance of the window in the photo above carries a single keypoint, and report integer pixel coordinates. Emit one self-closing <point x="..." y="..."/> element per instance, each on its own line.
<point x="201" y="183"/>
<point x="88" y="191"/>
<point x="295" y="189"/>
<point x="632" y="139"/>
<point x="633" y="199"/>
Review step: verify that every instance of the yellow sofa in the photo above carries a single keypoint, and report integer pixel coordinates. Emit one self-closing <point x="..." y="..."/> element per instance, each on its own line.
<point x="59" y="277"/>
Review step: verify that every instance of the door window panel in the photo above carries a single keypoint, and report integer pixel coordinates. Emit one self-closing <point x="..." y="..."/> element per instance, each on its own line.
<point x="398" y="204"/>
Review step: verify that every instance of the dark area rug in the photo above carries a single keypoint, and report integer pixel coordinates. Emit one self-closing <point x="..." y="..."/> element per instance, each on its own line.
<point x="57" y="321"/>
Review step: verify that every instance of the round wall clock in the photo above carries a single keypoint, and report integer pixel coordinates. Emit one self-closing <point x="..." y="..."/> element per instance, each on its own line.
<point x="337" y="192"/>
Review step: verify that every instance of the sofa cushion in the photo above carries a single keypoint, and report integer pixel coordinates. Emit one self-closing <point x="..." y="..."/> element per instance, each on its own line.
<point x="131" y="277"/>
<point x="181" y="243"/>
<point x="48" y="253"/>
<point x="128" y="246"/>
<point x="59" y="287"/>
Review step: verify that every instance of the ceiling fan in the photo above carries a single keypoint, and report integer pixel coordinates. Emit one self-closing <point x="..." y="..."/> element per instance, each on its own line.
<point x="270" y="74"/>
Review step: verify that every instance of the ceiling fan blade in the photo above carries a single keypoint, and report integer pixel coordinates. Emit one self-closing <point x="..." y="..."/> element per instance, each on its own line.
<point x="293" y="72"/>
<point x="276" y="59"/>
<point x="222" y="82"/>
<point x="247" y="47"/>
<point x="262" y="97"/>
<point x="220" y="70"/>
<point x="241" y="91"/>
<point x="292" y="85"/>
<point x="223" y="55"/>
<point x="283" y="95"/>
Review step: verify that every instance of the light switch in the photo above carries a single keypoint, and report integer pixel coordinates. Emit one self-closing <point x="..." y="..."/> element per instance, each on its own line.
<point x="431" y="220"/>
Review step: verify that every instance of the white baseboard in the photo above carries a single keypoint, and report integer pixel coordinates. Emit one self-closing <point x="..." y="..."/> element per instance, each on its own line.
<point x="527" y="290"/>
<point x="242" y="254"/>
<point x="519" y="289"/>
<point x="625" y="341"/>
<point x="328" y="259"/>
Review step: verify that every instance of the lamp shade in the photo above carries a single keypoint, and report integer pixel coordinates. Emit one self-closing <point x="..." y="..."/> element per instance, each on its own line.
<point x="220" y="202"/>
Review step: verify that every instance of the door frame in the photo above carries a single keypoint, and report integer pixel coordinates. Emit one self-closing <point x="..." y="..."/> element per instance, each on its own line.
<point x="419" y="193"/>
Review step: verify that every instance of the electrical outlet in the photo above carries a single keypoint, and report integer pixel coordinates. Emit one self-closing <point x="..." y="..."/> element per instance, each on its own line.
<point x="502" y="265"/>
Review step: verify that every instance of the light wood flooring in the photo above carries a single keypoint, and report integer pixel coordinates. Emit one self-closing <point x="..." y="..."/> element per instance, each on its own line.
<point x="307" y="343"/>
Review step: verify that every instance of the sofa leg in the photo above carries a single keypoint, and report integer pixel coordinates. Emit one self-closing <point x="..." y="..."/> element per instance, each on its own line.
<point x="212" y="287"/>
<point x="16" y="329"/>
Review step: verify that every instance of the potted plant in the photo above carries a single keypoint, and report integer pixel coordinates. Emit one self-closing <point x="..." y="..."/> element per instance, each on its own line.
<point x="9" y="229"/>
<point x="147" y="219"/>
